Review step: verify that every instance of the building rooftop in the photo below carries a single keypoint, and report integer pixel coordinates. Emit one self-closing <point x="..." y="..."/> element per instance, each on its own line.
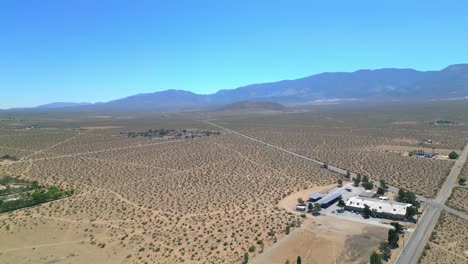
<point x="380" y="206"/>
<point x="315" y="196"/>
<point x="368" y="194"/>
<point x="330" y="198"/>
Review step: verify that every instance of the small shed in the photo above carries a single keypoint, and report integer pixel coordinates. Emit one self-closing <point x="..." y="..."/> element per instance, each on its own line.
<point x="301" y="207"/>
<point x="313" y="197"/>
<point x="368" y="194"/>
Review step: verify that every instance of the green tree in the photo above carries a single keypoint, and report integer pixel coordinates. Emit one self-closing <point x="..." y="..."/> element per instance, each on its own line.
<point x="348" y="174"/>
<point x="299" y="260"/>
<point x="366" y="212"/>
<point x="401" y="197"/>
<point x="365" y="179"/>
<point x="246" y="257"/>
<point x="262" y="245"/>
<point x="383" y="184"/>
<point x="340" y="183"/>
<point x="385" y="250"/>
<point x="411" y="211"/>
<point x="300" y="200"/>
<point x="341" y="204"/>
<point x="408" y="197"/>
<point x="317" y="209"/>
<point x="252" y="249"/>
<point x="453" y="155"/>
<point x="380" y="191"/>
<point x="357" y="180"/>
<point x="310" y="207"/>
<point x="462" y="181"/>
<point x="393" y="238"/>
<point x="368" y="185"/>
<point x="398" y="228"/>
<point x="375" y="258"/>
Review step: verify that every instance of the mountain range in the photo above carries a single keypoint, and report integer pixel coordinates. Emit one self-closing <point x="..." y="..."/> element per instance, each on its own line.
<point x="380" y="84"/>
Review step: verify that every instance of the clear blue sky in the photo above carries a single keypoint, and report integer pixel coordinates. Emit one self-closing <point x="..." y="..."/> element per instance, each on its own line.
<point x="80" y="50"/>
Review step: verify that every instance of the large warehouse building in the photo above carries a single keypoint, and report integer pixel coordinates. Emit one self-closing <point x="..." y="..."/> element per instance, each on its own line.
<point x="380" y="208"/>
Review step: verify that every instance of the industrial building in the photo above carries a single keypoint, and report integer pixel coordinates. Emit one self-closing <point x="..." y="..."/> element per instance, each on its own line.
<point x="329" y="200"/>
<point x="379" y="208"/>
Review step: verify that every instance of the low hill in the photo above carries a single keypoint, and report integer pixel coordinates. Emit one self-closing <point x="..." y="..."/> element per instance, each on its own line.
<point x="249" y="106"/>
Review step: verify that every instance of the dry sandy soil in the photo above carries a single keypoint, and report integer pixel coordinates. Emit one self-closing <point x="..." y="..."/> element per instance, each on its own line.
<point x="448" y="242"/>
<point x="458" y="199"/>
<point x="325" y="239"/>
<point x="204" y="200"/>
<point x="201" y="200"/>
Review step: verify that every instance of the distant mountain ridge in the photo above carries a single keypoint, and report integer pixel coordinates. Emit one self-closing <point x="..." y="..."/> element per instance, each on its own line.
<point x="381" y="84"/>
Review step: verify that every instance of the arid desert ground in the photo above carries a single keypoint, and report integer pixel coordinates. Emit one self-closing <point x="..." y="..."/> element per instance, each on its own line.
<point x="211" y="199"/>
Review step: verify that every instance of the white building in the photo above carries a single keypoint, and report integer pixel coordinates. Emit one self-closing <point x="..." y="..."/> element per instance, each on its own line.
<point x="379" y="208"/>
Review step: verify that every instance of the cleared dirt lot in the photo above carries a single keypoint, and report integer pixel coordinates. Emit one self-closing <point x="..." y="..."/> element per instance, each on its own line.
<point x="325" y="239"/>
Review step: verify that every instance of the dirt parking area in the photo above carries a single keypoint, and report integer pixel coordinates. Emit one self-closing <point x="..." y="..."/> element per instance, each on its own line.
<point x="326" y="240"/>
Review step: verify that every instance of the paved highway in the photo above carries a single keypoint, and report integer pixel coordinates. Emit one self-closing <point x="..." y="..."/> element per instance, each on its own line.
<point x="415" y="245"/>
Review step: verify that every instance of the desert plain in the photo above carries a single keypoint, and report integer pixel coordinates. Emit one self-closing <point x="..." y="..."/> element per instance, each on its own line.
<point x="214" y="198"/>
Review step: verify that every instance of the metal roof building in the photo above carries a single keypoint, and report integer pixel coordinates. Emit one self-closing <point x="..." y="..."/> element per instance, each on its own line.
<point x="313" y="197"/>
<point x="329" y="200"/>
<point x="368" y="194"/>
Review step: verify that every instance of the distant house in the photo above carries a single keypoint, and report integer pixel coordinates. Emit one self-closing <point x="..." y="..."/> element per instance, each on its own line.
<point x="313" y="197"/>
<point x="379" y="208"/>
<point x="329" y="200"/>
<point x="423" y="154"/>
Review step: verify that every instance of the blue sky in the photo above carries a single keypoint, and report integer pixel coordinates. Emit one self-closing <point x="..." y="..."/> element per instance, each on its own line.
<point x="82" y="50"/>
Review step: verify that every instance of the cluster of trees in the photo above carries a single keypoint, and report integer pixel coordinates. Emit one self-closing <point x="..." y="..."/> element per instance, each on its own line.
<point x="357" y="180"/>
<point x="363" y="180"/>
<point x="385" y="247"/>
<point x="366" y="183"/>
<point x="27" y="194"/>
<point x="409" y="197"/>
<point x="8" y="157"/>
<point x="151" y="133"/>
<point x="16" y="185"/>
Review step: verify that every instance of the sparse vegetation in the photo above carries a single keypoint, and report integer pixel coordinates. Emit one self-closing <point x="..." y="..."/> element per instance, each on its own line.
<point x="8" y="157"/>
<point x="204" y="200"/>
